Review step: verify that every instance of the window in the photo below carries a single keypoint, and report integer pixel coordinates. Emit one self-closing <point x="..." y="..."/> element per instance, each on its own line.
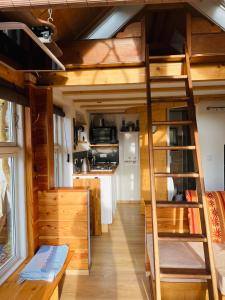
<point x="12" y="196"/>
<point x="222" y="4"/>
<point x="58" y="150"/>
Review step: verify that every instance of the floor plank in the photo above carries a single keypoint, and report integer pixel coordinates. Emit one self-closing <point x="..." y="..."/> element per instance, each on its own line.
<point x="118" y="270"/>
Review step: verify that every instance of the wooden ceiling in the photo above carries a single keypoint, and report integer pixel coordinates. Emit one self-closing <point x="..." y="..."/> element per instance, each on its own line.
<point x="72" y="23"/>
<point x="118" y="98"/>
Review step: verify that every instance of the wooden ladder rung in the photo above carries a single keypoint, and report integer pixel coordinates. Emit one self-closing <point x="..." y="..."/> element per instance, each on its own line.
<point x="177" y="175"/>
<point x="181" y="237"/>
<point x="184" y="273"/>
<point x="174" y="123"/>
<point x="168" y="78"/>
<point x="170" y="99"/>
<point x="167" y="58"/>
<point x="174" y="148"/>
<point x="178" y="204"/>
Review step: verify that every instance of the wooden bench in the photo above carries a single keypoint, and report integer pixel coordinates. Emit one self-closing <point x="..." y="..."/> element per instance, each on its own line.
<point x="32" y="290"/>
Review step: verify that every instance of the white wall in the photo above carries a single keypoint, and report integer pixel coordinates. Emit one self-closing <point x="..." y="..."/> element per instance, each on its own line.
<point x="211" y="125"/>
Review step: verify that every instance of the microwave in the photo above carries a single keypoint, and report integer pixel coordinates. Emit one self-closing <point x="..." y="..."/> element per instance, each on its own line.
<point x="103" y="135"/>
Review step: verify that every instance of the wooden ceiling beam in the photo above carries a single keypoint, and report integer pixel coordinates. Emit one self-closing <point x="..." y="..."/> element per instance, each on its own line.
<point x="115" y="100"/>
<point x="12" y="76"/>
<point x="200" y="72"/>
<point x="134" y="96"/>
<point x="111" y="105"/>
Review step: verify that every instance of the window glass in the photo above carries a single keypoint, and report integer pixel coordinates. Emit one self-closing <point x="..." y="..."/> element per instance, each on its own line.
<point x="6" y="122"/>
<point x="7" y="244"/>
<point x="12" y="190"/>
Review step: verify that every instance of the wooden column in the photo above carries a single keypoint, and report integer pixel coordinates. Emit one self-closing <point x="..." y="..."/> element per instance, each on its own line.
<point x="39" y="156"/>
<point x="42" y="136"/>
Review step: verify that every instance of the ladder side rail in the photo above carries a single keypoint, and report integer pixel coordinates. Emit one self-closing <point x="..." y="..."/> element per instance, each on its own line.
<point x="152" y="179"/>
<point x="209" y="258"/>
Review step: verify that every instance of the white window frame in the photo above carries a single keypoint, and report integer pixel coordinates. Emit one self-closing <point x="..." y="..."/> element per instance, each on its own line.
<point x="12" y="129"/>
<point x="58" y="150"/>
<point x="15" y="151"/>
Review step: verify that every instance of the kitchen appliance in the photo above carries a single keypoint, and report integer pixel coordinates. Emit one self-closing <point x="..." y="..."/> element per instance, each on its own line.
<point x="85" y="167"/>
<point x="103" y="135"/>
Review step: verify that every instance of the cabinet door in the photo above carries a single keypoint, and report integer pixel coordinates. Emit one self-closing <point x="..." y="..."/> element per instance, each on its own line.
<point x="130" y="146"/>
<point x="95" y="201"/>
<point x="106" y="199"/>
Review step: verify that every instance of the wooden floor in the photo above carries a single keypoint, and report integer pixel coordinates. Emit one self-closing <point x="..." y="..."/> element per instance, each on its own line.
<point x="118" y="270"/>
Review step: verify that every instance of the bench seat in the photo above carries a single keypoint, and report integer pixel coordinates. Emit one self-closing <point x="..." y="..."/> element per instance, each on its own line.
<point x="32" y="290"/>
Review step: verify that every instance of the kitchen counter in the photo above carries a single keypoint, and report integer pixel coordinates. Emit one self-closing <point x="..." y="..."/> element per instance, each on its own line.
<point x="107" y="187"/>
<point x="97" y="173"/>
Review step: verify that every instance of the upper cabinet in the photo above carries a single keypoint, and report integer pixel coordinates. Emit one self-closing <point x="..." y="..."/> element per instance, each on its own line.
<point x="130" y="142"/>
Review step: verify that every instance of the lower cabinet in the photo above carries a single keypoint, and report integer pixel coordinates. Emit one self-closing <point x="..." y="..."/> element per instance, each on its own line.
<point x="93" y="184"/>
<point x="104" y="197"/>
<point x="64" y="219"/>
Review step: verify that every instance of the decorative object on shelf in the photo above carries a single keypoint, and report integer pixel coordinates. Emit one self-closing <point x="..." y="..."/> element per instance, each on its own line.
<point x="123" y="128"/>
<point x="137" y="127"/>
<point x="130" y="126"/>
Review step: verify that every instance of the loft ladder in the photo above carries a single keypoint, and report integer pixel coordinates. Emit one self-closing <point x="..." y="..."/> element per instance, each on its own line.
<point x="208" y="273"/>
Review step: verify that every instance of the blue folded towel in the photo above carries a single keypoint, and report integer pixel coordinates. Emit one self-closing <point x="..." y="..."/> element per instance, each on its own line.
<point x="45" y="264"/>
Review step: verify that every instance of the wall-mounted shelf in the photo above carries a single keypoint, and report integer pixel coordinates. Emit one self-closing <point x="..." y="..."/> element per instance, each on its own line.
<point x="105" y="145"/>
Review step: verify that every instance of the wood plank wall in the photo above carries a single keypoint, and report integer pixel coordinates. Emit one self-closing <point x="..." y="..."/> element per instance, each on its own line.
<point x="205" y="37"/>
<point x="39" y="156"/>
<point x="169" y="219"/>
<point x="63" y="219"/>
<point x="160" y="159"/>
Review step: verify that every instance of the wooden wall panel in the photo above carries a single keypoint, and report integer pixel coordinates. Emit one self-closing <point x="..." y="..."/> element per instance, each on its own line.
<point x="63" y="219"/>
<point x="42" y="136"/>
<point x="39" y="156"/>
<point x="205" y="37"/>
<point x="31" y="186"/>
<point x="160" y="159"/>
<point x="169" y="219"/>
<point x="144" y="160"/>
<point x="98" y="53"/>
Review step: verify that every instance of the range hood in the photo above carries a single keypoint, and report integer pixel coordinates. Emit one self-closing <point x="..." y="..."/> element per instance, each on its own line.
<point x="23" y="51"/>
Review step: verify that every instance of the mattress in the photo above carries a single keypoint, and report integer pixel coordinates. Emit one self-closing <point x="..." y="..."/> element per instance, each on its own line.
<point x="187" y="255"/>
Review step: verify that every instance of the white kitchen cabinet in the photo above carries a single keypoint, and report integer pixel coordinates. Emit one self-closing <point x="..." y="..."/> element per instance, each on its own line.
<point x="108" y="195"/>
<point x="106" y="199"/>
<point x="130" y="141"/>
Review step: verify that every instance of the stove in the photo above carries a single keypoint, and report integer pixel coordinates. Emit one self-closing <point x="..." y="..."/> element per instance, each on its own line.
<point x="104" y="167"/>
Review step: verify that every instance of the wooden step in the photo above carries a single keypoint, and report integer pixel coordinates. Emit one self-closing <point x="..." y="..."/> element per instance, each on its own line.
<point x="174" y="123"/>
<point x="184" y="273"/>
<point x="169" y="78"/>
<point x="174" y="148"/>
<point x="167" y="58"/>
<point x="177" y="175"/>
<point x="169" y="99"/>
<point x="181" y="237"/>
<point x="178" y="204"/>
